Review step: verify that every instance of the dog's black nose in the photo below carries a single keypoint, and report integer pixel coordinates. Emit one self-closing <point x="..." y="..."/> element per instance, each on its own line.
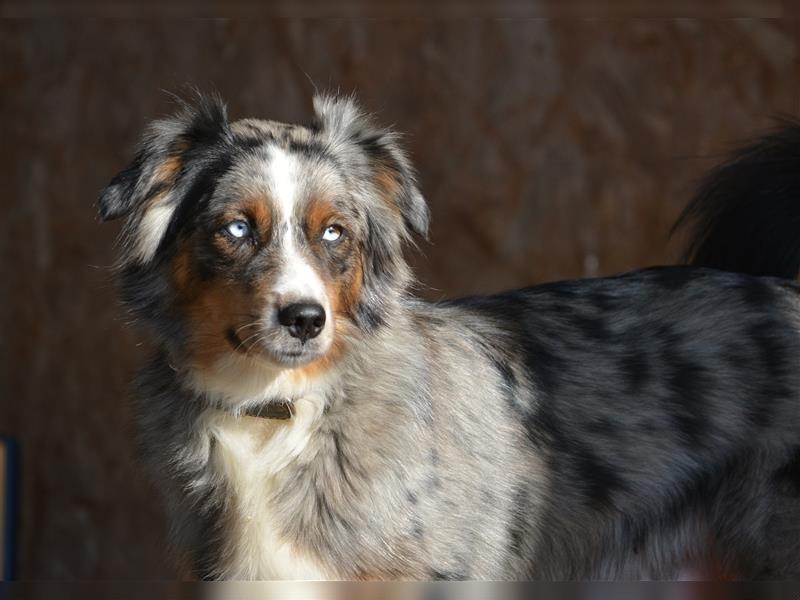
<point x="304" y="319"/>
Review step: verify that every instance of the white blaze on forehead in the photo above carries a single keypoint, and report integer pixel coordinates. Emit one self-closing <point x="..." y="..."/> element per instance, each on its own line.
<point x="298" y="279"/>
<point x="284" y="170"/>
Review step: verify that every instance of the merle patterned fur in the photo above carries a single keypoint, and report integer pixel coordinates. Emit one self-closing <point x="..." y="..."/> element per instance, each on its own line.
<point x="624" y="427"/>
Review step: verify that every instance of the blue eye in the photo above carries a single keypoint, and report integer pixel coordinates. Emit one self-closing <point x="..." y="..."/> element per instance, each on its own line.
<point x="332" y="233"/>
<point x="238" y="229"/>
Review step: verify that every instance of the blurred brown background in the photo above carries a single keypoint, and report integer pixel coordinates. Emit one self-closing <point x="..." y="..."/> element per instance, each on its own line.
<point x="547" y="149"/>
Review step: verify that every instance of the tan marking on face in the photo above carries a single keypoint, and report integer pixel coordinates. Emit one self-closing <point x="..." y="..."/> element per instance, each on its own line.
<point x="347" y="293"/>
<point x="319" y="213"/>
<point x="211" y="308"/>
<point x="211" y="314"/>
<point x="257" y="209"/>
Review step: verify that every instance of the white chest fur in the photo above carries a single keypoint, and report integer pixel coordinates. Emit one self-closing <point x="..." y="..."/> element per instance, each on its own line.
<point x="249" y="453"/>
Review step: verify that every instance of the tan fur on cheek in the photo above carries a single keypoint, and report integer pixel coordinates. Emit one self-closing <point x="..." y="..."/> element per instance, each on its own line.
<point x="345" y="294"/>
<point x="209" y="308"/>
<point x="208" y="318"/>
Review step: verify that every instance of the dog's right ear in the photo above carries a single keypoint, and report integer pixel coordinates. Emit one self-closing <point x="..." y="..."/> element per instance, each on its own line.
<point x="150" y="189"/>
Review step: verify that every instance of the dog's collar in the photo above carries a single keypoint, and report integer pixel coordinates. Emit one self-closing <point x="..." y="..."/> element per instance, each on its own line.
<point x="282" y="410"/>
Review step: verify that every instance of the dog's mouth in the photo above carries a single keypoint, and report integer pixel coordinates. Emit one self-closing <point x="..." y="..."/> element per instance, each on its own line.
<point x="256" y="347"/>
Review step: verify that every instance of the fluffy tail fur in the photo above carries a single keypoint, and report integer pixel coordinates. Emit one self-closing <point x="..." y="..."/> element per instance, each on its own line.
<point x="745" y="216"/>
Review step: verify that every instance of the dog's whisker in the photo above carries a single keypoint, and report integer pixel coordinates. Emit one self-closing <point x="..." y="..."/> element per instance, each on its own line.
<point x="247" y="325"/>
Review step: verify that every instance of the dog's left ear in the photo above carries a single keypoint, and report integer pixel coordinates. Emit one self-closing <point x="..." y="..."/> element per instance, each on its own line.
<point x="389" y="168"/>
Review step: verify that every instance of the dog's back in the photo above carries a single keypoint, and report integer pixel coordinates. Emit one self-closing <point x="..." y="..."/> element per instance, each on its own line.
<point x="665" y="403"/>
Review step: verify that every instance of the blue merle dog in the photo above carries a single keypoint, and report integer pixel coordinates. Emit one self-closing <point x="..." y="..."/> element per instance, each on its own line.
<point x="306" y="417"/>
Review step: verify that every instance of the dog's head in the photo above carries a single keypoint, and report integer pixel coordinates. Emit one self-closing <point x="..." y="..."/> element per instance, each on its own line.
<point x="263" y="240"/>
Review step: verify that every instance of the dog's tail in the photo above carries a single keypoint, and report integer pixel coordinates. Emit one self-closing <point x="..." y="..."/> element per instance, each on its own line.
<point x="745" y="216"/>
